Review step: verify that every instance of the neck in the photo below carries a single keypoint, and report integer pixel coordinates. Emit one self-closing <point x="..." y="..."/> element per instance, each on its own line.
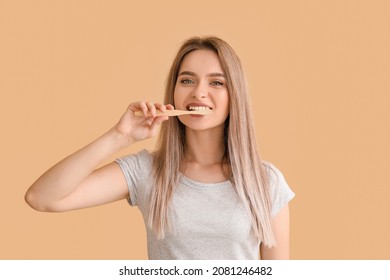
<point x="205" y="147"/>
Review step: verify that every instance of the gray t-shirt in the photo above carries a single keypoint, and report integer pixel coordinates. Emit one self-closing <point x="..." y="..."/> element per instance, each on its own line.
<point x="207" y="220"/>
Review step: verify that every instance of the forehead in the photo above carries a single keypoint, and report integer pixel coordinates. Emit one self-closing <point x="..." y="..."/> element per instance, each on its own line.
<point x="201" y="62"/>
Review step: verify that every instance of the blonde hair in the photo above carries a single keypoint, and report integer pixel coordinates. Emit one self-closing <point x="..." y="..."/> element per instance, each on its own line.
<point x="246" y="171"/>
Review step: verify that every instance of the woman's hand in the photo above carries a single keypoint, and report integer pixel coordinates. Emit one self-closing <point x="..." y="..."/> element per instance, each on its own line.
<point x="136" y="128"/>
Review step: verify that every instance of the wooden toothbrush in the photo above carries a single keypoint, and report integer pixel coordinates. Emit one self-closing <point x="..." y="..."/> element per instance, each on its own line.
<point x="172" y="113"/>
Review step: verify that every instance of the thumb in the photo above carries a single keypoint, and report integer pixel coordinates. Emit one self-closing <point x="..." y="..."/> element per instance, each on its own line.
<point x="157" y="121"/>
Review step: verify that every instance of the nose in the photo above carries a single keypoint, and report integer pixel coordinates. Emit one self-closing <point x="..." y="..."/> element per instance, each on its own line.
<point x="200" y="91"/>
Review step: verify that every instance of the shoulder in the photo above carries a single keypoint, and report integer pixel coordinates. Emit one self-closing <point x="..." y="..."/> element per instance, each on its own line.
<point x="140" y="163"/>
<point x="137" y="169"/>
<point x="274" y="175"/>
<point x="142" y="156"/>
<point x="281" y="192"/>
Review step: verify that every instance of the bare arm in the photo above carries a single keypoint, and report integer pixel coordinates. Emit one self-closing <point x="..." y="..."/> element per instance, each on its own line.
<point x="74" y="183"/>
<point x="281" y="226"/>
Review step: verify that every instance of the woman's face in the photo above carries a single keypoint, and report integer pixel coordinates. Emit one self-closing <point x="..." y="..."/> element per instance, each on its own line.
<point x="201" y="83"/>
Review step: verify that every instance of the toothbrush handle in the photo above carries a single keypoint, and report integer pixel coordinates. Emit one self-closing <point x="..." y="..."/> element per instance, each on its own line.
<point x="172" y="113"/>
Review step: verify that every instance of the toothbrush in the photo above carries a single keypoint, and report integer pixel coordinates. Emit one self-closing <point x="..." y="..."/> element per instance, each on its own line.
<point x="172" y="113"/>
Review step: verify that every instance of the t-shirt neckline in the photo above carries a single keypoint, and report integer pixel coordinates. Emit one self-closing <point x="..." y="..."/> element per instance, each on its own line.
<point x="205" y="186"/>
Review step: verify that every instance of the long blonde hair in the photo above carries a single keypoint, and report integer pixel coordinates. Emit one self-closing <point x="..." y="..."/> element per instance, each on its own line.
<point x="246" y="170"/>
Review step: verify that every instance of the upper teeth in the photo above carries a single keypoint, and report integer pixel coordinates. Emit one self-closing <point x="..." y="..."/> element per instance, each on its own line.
<point x="198" y="108"/>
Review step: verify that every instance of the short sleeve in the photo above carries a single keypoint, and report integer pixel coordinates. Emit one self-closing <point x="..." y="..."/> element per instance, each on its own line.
<point x="136" y="168"/>
<point x="281" y="193"/>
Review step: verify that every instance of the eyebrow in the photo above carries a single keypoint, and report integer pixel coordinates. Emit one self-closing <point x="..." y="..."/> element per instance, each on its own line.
<point x="189" y="73"/>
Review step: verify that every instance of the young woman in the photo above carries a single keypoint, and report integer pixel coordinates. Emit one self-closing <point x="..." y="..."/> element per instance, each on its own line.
<point x="204" y="192"/>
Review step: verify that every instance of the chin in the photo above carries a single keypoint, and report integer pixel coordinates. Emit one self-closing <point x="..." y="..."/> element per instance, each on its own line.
<point x="202" y="126"/>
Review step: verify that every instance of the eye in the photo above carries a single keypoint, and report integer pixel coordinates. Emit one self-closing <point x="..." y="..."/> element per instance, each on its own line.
<point x="216" y="83"/>
<point x="186" y="81"/>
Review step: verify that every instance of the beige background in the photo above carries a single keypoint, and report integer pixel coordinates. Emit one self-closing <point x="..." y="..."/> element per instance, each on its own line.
<point x="319" y="79"/>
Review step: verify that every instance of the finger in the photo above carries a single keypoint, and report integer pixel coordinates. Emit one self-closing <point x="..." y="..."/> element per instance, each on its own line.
<point x="157" y="121"/>
<point x="161" y="107"/>
<point x="133" y="107"/>
<point x="149" y="121"/>
<point x="169" y="107"/>
<point x="142" y="106"/>
<point x="152" y="108"/>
